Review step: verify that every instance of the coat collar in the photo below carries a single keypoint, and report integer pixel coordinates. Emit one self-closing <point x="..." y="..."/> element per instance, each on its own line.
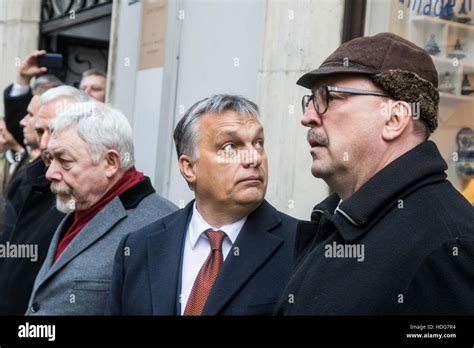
<point x="164" y="254"/>
<point x="12" y="156"/>
<point x="423" y="165"/>
<point x="36" y="174"/>
<point x="134" y="195"/>
<point x="102" y="223"/>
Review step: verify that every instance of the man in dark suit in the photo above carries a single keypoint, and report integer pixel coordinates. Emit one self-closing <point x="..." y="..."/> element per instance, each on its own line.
<point x="228" y="252"/>
<point x="31" y="217"/>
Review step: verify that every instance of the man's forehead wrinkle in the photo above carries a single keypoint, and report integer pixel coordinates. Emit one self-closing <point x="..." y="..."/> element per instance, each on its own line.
<point x="52" y="147"/>
<point x="236" y="124"/>
<point x="62" y="145"/>
<point x="235" y="130"/>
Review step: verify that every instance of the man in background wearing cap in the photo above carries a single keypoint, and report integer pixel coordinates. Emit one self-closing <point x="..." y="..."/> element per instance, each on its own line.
<point x="395" y="237"/>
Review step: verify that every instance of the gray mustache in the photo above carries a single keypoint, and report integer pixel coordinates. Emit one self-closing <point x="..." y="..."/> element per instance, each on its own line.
<point x="318" y="138"/>
<point x="61" y="190"/>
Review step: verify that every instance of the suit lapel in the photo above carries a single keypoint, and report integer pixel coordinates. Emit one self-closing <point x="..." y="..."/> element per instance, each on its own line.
<point x="105" y="220"/>
<point x="164" y="250"/>
<point x="252" y="248"/>
<point x="43" y="274"/>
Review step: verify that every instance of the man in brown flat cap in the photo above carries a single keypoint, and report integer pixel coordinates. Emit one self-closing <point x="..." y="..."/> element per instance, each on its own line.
<point x="395" y="237"/>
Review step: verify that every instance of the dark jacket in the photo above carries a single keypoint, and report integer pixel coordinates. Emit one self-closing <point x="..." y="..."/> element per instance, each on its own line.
<point x="15" y="109"/>
<point x="21" y="160"/>
<point x="417" y="232"/>
<point x="147" y="282"/>
<point x="31" y="218"/>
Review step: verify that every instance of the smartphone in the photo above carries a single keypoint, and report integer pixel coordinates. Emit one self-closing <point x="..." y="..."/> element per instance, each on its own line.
<point x="51" y="60"/>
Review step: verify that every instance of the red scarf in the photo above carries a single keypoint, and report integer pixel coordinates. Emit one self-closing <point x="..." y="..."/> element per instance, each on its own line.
<point x="129" y="179"/>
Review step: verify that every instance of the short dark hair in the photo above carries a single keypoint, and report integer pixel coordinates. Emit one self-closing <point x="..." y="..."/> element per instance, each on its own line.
<point x="94" y="72"/>
<point x="45" y="82"/>
<point x="186" y="132"/>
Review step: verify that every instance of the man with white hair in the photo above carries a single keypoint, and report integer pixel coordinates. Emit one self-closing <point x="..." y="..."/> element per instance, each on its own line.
<point x="21" y="183"/>
<point x="92" y="171"/>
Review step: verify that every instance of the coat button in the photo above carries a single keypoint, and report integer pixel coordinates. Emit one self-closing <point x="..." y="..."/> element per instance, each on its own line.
<point x="35" y="307"/>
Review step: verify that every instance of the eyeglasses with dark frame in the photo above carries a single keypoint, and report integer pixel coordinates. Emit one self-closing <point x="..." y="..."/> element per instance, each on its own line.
<point x="321" y="101"/>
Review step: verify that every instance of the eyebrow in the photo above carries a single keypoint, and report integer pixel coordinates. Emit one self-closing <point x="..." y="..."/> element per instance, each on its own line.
<point x="95" y="85"/>
<point x="38" y="127"/>
<point x="60" y="152"/>
<point x="234" y="133"/>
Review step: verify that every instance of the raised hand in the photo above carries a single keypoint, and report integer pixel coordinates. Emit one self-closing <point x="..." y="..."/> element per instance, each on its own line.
<point x="29" y="68"/>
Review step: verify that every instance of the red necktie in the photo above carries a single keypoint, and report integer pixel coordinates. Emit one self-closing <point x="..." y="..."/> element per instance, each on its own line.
<point x="207" y="275"/>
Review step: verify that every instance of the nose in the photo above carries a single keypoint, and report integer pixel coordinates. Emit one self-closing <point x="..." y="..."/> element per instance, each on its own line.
<point x="253" y="157"/>
<point x="44" y="141"/>
<point x="311" y="118"/>
<point x="23" y="121"/>
<point x="53" y="173"/>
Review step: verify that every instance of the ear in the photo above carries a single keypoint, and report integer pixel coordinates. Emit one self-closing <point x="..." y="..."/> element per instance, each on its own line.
<point x="187" y="169"/>
<point x="112" y="162"/>
<point x="397" y="121"/>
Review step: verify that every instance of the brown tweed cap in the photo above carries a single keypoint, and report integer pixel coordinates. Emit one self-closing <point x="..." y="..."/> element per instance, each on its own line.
<point x="403" y="70"/>
<point x="371" y="55"/>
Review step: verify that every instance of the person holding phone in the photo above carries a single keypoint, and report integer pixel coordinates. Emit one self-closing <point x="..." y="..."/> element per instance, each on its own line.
<point x="20" y="90"/>
<point x="17" y="97"/>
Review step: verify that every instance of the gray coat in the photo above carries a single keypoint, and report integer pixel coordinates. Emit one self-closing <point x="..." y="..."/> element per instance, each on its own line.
<point x="78" y="282"/>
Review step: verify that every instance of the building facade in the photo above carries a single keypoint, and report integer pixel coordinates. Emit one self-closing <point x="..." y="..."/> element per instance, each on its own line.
<point x="163" y="56"/>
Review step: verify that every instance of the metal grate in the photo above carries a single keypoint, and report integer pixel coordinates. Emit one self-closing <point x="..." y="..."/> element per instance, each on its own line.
<point x="56" y="9"/>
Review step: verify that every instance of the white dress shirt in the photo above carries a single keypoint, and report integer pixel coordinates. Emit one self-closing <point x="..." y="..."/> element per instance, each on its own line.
<point x="197" y="249"/>
<point x="18" y="90"/>
<point x="14" y="158"/>
<point x="338" y="204"/>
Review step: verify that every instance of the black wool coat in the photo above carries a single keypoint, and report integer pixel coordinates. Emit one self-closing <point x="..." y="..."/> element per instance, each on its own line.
<point x="32" y="219"/>
<point x="401" y="244"/>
